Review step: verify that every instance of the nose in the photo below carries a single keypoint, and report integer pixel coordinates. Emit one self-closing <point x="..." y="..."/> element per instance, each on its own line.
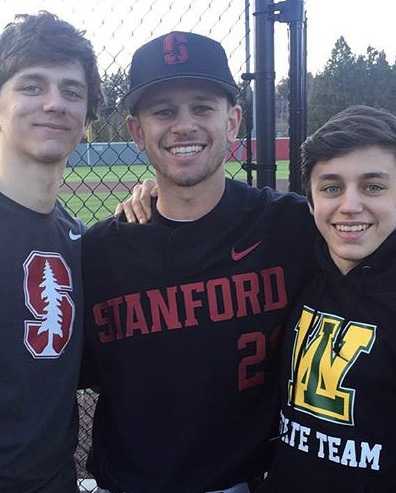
<point x="184" y="123"/>
<point x="351" y="201"/>
<point x="54" y="101"/>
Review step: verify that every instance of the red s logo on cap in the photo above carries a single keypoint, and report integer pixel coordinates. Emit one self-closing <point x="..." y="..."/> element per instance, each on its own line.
<point x="175" y="48"/>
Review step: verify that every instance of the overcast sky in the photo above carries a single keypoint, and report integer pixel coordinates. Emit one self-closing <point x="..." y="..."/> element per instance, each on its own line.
<point x="118" y="27"/>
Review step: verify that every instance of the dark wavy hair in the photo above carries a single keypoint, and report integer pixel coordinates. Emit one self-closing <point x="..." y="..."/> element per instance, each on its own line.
<point x="357" y="127"/>
<point x="45" y="39"/>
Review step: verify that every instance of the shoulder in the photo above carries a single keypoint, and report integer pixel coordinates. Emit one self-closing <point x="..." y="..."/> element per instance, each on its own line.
<point x="73" y="224"/>
<point x="101" y="230"/>
<point x="287" y="204"/>
<point x="263" y="195"/>
<point x="267" y="202"/>
<point x="111" y="231"/>
<point x="97" y="244"/>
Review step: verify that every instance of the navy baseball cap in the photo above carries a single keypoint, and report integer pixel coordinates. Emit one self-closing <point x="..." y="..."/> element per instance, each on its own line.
<point x="178" y="55"/>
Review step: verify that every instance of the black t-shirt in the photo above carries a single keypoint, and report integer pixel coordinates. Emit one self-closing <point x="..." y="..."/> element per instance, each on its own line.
<point x="184" y="324"/>
<point x="40" y="313"/>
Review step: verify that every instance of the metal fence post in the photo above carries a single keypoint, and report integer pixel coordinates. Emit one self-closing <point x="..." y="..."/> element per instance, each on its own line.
<point x="298" y="113"/>
<point x="265" y="94"/>
<point x="247" y="77"/>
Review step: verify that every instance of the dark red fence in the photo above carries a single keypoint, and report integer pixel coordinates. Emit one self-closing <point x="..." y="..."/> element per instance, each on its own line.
<point x="238" y="151"/>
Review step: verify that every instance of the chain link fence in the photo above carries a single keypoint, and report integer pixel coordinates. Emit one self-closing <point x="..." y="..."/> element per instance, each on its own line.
<point x="104" y="169"/>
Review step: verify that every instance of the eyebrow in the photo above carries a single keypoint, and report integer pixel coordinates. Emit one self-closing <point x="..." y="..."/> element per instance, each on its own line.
<point x="376" y="174"/>
<point x="74" y="83"/>
<point x="365" y="176"/>
<point x="197" y="98"/>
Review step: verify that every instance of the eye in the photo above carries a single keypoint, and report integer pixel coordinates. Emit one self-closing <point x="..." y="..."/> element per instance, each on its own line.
<point x="202" y="109"/>
<point x="73" y="94"/>
<point x="331" y="189"/>
<point x="374" y="188"/>
<point x="163" y="113"/>
<point x="31" y="89"/>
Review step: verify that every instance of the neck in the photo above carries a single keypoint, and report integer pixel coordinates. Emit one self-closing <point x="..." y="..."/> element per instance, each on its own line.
<point x="188" y="203"/>
<point x="31" y="184"/>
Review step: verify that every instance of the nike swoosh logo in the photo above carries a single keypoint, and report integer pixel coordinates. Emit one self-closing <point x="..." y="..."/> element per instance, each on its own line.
<point x="73" y="236"/>
<point x="237" y="256"/>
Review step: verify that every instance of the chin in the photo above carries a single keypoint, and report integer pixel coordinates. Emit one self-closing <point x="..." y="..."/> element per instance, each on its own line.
<point x="49" y="156"/>
<point x="187" y="181"/>
<point x="190" y="180"/>
<point x="52" y="159"/>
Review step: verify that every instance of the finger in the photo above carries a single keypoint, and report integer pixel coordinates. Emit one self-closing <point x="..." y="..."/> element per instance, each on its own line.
<point x="129" y="212"/>
<point x="132" y="208"/>
<point x="145" y="196"/>
<point x="154" y="191"/>
<point x="133" y="211"/>
<point x="125" y="207"/>
<point x="136" y="207"/>
<point x="118" y="209"/>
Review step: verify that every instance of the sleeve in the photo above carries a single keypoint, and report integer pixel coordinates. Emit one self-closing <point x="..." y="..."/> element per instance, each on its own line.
<point x="89" y="374"/>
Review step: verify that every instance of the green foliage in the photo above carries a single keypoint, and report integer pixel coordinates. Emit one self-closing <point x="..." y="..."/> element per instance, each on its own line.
<point x="111" y="126"/>
<point x="245" y="99"/>
<point x="282" y="108"/>
<point x="348" y="79"/>
<point x="115" y="86"/>
<point x="282" y="104"/>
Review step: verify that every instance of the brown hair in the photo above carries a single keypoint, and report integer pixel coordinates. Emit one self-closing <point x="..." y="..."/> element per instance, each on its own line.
<point x="44" y="38"/>
<point x="354" y="128"/>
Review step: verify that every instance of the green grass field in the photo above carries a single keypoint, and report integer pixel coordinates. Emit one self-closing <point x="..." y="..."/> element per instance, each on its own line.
<point x="93" y="206"/>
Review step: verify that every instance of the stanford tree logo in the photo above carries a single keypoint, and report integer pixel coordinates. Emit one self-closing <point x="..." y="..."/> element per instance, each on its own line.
<point x="47" y="287"/>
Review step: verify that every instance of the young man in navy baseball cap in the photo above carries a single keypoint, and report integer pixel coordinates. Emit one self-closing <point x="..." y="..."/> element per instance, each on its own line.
<point x="179" y="56"/>
<point x="183" y="314"/>
<point x="196" y="67"/>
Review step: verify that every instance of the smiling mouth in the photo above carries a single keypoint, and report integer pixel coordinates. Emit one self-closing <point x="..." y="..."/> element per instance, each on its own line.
<point x="51" y="126"/>
<point x="352" y="228"/>
<point x="186" y="150"/>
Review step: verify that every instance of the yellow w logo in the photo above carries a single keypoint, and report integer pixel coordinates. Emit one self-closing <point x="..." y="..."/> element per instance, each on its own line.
<point x="321" y="361"/>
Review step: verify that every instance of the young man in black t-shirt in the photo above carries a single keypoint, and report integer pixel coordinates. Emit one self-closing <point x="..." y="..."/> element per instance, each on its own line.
<point x="49" y="90"/>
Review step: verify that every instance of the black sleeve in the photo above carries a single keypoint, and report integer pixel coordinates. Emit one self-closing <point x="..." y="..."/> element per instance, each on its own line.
<point x="89" y="376"/>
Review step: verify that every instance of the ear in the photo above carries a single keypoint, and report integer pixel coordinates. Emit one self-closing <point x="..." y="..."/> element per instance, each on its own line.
<point x="233" y="122"/>
<point x="311" y="209"/>
<point x="136" y="131"/>
<point x="87" y="131"/>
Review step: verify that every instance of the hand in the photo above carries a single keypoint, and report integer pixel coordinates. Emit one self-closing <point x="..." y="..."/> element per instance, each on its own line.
<point x="137" y="208"/>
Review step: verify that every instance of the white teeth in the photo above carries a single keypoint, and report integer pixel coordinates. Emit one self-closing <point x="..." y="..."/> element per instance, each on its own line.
<point x="185" y="150"/>
<point x="351" y="228"/>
